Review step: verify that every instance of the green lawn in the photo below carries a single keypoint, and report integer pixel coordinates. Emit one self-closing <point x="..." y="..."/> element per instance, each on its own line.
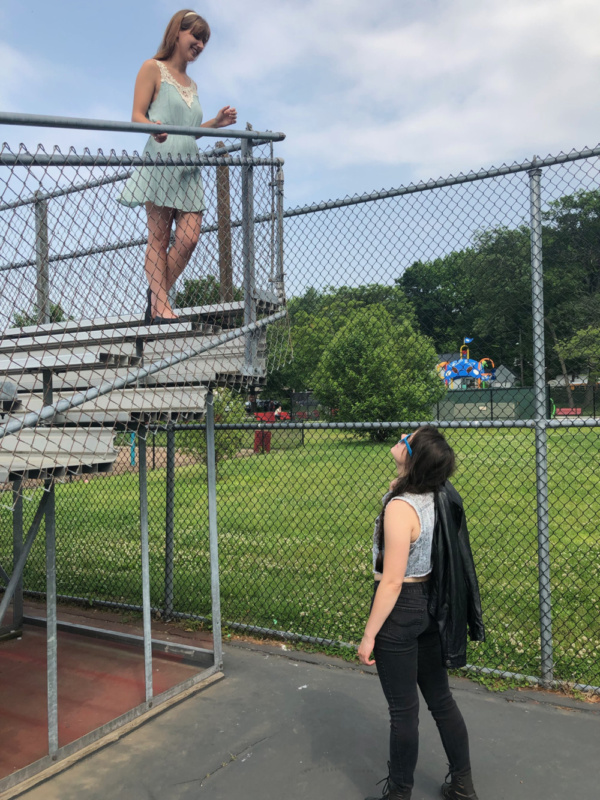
<point x="295" y="532"/>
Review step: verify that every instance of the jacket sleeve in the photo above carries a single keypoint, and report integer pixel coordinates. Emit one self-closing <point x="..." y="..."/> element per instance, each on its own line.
<point x="474" y="614"/>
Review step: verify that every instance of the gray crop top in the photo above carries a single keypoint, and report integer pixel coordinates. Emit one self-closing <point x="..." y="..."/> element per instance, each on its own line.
<point x="419" y="556"/>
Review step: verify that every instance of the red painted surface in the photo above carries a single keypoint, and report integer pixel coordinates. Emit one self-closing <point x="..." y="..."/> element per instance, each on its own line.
<point x="262" y="441"/>
<point x="568" y="412"/>
<point x="269" y="416"/>
<point x="97" y="682"/>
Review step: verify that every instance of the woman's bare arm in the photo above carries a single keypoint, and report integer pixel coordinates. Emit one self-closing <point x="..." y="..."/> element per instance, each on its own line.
<point x="146" y="85"/>
<point x="399" y="522"/>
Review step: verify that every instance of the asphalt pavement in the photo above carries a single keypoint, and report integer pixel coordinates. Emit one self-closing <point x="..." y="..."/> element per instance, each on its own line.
<point x="295" y="726"/>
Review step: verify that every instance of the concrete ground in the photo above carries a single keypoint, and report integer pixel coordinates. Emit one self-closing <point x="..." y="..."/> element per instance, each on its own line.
<point x="295" y="726"/>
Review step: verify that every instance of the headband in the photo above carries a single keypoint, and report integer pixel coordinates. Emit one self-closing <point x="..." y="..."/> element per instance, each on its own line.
<point x="190" y="12"/>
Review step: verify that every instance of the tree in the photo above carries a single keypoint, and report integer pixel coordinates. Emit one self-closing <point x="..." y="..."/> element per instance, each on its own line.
<point x="315" y="317"/>
<point x="228" y="407"/>
<point x="375" y="369"/>
<point x="482" y="291"/>
<point x="23" y="319"/>
<point x="584" y="348"/>
<point x="442" y="295"/>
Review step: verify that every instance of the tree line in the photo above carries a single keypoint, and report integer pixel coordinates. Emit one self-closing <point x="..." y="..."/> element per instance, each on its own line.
<point x="353" y="344"/>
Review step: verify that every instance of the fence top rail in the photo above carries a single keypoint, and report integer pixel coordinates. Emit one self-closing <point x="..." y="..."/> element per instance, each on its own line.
<point x="80" y="123"/>
<point x="452" y="180"/>
<point x="465" y="423"/>
<point x="93" y="184"/>
<point x="100" y="160"/>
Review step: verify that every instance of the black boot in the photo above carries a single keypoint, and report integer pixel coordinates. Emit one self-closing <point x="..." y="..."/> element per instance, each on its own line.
<point x="391" y="791"/>
<point x="460" y="786"/>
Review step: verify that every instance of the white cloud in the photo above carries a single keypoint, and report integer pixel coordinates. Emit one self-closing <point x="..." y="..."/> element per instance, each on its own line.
<point x="438" y="88"/>
<point x="410" y="90"/>
<point x="19" y="75"/>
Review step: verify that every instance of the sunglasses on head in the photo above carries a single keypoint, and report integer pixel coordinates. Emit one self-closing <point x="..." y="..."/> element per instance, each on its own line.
<point x="404" y="440"/>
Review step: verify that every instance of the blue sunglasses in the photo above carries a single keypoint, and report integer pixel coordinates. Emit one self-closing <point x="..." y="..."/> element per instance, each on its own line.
<point x="404" y="440"/>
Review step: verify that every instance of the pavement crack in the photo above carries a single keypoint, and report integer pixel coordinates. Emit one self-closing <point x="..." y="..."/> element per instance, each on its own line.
<point x="232" y="757"/>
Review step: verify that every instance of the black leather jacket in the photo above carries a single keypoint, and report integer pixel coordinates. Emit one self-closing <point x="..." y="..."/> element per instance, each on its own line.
<point x="454" y="600"/>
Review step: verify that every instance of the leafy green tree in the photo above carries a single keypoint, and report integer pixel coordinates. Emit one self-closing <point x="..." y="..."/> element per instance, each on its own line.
<point x="23" y="319"/>
<point x="375" y="369"/>
<point x="316" y="317"/>
<point x="229" y="407"/>
<point x="442" y="294"/>
<point x="583" y="349"/>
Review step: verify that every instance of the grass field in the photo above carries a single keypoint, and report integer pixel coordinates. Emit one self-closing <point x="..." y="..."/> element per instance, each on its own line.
<point x="295" y="532"/>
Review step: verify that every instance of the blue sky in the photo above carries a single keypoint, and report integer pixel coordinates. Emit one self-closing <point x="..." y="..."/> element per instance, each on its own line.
<point x="370" y="95"/>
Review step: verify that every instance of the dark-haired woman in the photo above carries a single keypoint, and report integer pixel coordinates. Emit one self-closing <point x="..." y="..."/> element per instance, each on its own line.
<point x="165" y="94"/>
<point x="426" y="596"/>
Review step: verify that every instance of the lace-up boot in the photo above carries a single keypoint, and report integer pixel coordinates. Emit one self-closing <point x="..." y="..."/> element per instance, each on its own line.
<point x="391" y="790"/>
<point x="460" y="786"/>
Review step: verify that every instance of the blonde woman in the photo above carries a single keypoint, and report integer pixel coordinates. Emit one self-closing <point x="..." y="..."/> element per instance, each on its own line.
<point x="165" y="94"/>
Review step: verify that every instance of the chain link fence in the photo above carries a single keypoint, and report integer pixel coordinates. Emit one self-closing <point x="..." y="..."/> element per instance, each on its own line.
<point x="472" y="302"/>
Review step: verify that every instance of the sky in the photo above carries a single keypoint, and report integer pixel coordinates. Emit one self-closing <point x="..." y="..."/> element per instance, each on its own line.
<point x="369" y="94"/>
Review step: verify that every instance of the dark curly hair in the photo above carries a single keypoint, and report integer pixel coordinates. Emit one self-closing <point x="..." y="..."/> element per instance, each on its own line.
<point x="431" y="465"/>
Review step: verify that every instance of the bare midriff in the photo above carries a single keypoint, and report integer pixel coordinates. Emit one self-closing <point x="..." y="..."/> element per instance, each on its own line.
<point x="420" y="579"/>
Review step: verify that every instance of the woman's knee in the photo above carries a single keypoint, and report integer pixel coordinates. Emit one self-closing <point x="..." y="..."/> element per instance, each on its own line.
<point x="185" y="243"/>
<point x="156" y="248"/>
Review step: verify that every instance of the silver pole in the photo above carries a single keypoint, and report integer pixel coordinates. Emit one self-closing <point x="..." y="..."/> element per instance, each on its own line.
<point x="211" y="466"/>
<point x="51" y="626"/>
<point x="248" y="256"/>
<point x="279" y="276"/>
<point x="41" y="261"/>
<point x="21" y="561"/>
<point x="142" y="432"/>
<point x="541" y="450"/>
<point x="170" y="521"/>
<point x="42" y="121"/>
<point x="17" y="550"/>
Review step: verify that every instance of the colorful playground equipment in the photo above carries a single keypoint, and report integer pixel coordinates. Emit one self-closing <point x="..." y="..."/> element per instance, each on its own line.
<point x="465" y="372"/>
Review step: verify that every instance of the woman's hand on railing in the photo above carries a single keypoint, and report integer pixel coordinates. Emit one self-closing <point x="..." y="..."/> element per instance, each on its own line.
<point x="159" y="137"/>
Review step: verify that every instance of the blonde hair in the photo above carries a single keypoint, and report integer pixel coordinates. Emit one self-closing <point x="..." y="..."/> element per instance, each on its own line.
<point x="184" y="20"/>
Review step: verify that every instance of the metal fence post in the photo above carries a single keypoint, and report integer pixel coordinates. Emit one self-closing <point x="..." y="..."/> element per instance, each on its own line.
<point x="170" y="520"/>
<point x="541" y="449"/>
<point x="51" y="624"/>
<point x="41" y="261"/>
<point x="211" y="465"/>
<point x="224" y="232"/>
<point x="250" y="350"/>
<point x="142" y="433"/>
<point x="279" y="272"/>
<point x="17" y="550"/>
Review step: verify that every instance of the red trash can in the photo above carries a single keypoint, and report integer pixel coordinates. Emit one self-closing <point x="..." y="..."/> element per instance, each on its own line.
<point x="262" y="441"/>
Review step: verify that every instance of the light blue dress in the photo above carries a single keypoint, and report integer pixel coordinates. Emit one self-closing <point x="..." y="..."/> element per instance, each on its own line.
<point x="171" y="187"/>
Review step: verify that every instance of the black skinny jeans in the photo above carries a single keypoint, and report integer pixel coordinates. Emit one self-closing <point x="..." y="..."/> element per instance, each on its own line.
<point x="408" y="653"/>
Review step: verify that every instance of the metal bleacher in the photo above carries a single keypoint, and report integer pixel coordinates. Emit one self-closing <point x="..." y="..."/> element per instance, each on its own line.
<point x="68" y="388"/>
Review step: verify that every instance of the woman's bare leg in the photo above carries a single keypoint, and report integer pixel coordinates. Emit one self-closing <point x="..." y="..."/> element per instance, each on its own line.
<point x="160" y="221"/>
<point x="187" y="232"/>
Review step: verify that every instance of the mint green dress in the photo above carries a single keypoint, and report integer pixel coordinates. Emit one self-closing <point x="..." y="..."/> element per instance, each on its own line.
<point x="172" y="187"/>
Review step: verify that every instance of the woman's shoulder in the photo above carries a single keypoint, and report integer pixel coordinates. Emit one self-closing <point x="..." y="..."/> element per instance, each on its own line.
<point x="151" y="68"/>
<point x="421" y="503"/>
<point x="152" y="64"/>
